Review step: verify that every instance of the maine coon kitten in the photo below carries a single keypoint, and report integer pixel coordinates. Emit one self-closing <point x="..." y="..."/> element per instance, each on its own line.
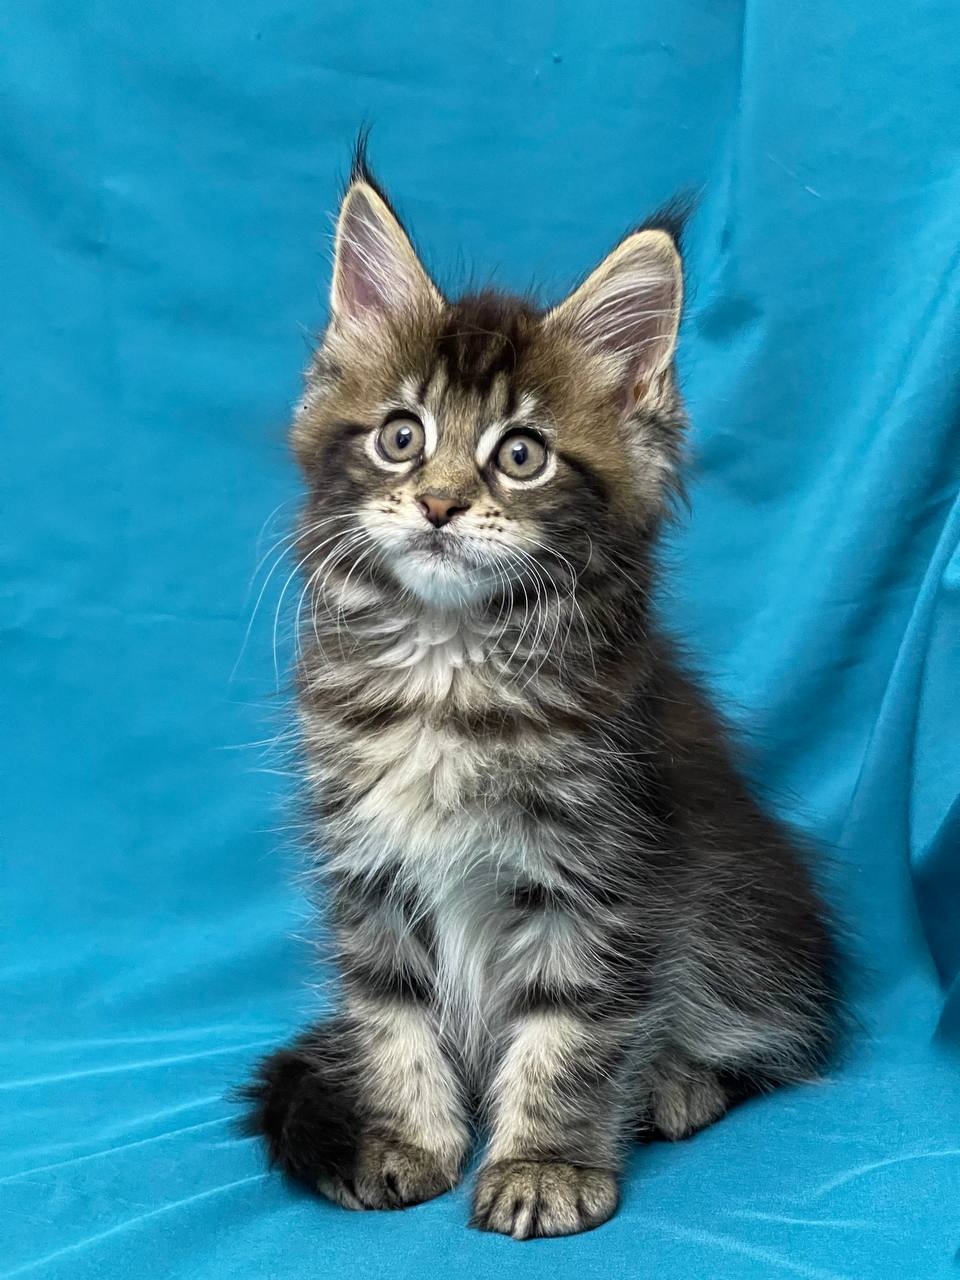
<point x="557" y="907"/>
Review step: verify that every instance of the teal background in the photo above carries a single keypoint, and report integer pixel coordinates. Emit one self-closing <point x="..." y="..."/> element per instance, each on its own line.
<point x="167" y="176"/>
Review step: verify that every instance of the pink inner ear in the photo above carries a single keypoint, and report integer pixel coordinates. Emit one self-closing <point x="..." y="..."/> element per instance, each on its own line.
<point x="632" y="320"/>
<point x="633" y="317"/>
<point x="363" y="261"/>
<point x="629" y="309"/>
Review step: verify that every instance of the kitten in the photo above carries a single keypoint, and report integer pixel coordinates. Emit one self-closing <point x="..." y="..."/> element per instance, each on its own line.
<point x="557" y="906"/>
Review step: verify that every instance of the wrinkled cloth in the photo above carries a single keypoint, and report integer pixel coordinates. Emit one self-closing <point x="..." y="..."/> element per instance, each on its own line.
<point x="167" y="174"/>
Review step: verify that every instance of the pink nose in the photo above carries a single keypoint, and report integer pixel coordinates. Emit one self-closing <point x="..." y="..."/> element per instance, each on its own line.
<point x="439" y="509"/>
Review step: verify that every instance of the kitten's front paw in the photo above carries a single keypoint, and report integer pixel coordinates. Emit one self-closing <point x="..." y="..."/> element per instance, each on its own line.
<point x="527" y="1198"/>
<point x="391" y="1175"/>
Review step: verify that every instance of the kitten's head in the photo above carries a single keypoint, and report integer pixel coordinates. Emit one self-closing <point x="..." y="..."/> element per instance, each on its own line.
<point x="458" y="445"/>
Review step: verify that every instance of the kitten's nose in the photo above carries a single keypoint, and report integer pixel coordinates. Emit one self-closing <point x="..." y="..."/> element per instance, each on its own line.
<point x="439" y="509"/>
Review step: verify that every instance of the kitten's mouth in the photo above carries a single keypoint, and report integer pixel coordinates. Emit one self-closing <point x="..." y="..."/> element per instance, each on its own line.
<point x="438" y="546"/>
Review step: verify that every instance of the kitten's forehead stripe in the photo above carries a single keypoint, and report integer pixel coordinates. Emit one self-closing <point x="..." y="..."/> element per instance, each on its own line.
<point x="483" y="337"/>
<point x="510" y="399"/>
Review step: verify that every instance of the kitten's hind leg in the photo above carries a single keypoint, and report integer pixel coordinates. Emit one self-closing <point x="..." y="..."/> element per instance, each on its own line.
<point x="684" y="1096"/>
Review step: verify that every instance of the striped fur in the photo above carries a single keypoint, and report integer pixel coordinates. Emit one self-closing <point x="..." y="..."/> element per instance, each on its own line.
<point x="557" y="907"/>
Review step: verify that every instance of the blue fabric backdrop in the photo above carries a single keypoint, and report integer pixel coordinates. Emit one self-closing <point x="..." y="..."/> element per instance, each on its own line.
<point x="167" y="175"/>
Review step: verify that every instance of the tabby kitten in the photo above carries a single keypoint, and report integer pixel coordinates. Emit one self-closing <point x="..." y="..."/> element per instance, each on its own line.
<point x="557" y="908"/>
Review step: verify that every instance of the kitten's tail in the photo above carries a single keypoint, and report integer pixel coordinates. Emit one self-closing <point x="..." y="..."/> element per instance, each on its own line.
<point x="305" y="1104"/>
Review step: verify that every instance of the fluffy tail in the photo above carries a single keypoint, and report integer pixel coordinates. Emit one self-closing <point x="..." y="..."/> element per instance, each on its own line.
<point x="305" y="1105"/>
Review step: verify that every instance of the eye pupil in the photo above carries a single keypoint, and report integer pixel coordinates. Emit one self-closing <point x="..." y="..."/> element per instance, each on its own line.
<point x="403" y="437"/>
<point x="520" y="453"/>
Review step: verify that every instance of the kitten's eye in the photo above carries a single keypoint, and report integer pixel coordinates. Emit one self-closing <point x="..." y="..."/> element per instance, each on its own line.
<point x="521" y="455"/>
<point x="401" y="439"/>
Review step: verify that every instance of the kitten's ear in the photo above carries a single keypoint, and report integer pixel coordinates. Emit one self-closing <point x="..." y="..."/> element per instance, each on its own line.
<point x="376" y="272"/>
<point x="628" y="309"/>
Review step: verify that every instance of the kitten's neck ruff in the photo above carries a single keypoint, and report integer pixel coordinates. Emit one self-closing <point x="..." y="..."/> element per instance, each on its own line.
<point x="432" y="646"/>
<point x="390" y="645"/>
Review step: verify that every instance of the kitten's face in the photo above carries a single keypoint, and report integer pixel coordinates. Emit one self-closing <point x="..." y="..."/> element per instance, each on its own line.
<point x="464" y="446"/>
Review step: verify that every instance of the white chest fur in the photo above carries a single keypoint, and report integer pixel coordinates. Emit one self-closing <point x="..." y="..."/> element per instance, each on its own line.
<point x="427" y="806"/>
<point x="416" y="774"/>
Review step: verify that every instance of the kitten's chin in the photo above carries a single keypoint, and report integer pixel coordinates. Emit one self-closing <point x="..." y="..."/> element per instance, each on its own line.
<point x="444" y="583"/>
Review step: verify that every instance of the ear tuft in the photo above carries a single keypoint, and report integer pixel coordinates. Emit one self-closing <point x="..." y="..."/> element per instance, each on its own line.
<point x="360" y="170"/>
